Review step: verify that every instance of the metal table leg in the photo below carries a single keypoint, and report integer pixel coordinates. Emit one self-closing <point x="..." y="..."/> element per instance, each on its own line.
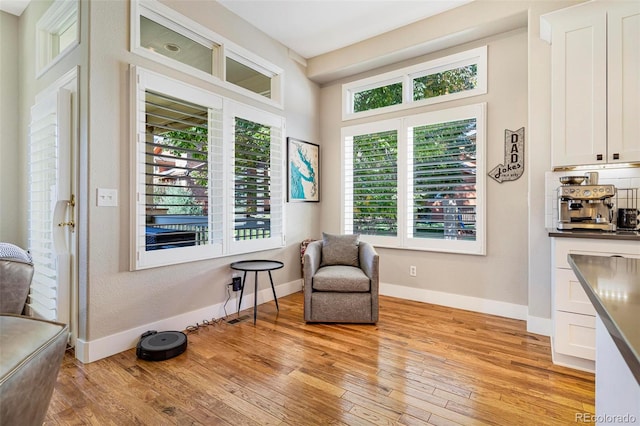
<point x="244" y="280"/>
<point x="255" y="299"/>
<point x="274" y="291"/>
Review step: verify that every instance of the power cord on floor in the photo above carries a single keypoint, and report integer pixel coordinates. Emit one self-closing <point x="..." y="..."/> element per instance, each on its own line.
<point x="224" y="307"/>
<point x="205" y="323"/>
<point x="213" y="321"/>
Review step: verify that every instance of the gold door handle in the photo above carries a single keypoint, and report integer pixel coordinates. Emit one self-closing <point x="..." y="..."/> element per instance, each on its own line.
<point x="70" y="224"/>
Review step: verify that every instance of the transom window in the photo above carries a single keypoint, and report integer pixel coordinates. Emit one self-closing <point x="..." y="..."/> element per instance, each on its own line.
<point x="165" y="41"/>
<point x="452" y="77"/>
<point x="163" y="35"/>
<point x="56" y="33"/>
<point x="377" y="97"/>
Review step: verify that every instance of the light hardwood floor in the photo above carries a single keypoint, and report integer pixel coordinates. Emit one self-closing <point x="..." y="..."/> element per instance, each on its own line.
<point x="421" y="364"/>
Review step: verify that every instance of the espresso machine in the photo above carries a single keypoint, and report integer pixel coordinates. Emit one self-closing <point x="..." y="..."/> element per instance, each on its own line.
<point x="586" y="207"/>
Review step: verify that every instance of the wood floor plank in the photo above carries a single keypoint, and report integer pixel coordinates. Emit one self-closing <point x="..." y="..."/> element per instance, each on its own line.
<point x="421" y="364"/>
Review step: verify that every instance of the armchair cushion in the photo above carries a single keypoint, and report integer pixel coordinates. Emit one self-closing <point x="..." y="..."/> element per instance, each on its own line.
<point x="32" y="351"/>
<point x="341" y="278"/>
<point x="339" y="250"/>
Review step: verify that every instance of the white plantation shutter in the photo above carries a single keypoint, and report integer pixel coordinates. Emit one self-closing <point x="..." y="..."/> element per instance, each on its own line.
<point x="178" y="172"/>
<point x="208" y="174"/>
<point x="49" y="197"/>
<point x="417" y="182"/>
<point x="445" y="180"/>
<point x="371" y="185"/>
<point x="256" y="180"/>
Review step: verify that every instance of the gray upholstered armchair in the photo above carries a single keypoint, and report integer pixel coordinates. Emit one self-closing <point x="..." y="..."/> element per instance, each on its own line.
<point x="16" y="273"/>
<point x="341" y="280"/>
<point x="31" y="350"/>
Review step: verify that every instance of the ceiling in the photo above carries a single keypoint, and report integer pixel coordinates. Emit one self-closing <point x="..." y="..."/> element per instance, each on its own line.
<point x="313" y="27"/>
<point x="14" y="7"/>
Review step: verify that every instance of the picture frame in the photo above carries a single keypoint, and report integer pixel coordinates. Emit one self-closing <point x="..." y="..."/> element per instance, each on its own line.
<point x="303" y="171"/>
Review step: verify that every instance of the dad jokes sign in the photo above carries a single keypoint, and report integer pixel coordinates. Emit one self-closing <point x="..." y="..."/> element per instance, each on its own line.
<point x="513" y="166"/>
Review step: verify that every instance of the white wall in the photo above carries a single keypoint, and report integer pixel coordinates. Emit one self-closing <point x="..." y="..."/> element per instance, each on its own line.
<point x="11" y="157"/>
<point x="514" y="278"/>
<point x="501" y="275"/>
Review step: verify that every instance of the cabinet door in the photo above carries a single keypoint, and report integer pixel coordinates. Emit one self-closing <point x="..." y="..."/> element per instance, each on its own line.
<point x="575" y="335"/>
<point x="624" y="82"/>
<point x="579" y="88"/>
<point x="569" y="294"/>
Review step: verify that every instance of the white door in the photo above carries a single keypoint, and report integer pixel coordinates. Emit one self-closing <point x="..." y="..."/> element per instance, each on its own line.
<point x="51" y="228"/>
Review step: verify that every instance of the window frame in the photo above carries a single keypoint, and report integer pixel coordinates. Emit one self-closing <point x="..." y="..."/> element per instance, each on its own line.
<point x="477" y="111"/>
<point x="476" y="56"/>
<point x="233" y="110"/>
<point x="403" y="126"/>
<point x="220" y="151"/>
<point x="222" y="48"/>
<point x="60" y="15"/>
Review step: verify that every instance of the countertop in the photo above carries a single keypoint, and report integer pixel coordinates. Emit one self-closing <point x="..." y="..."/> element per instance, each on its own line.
<point x="613" y="286"/>
<point x="595" y="234"/>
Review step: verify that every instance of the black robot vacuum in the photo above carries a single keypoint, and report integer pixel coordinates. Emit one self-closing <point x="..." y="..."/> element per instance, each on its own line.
<point x="158" y="346"/>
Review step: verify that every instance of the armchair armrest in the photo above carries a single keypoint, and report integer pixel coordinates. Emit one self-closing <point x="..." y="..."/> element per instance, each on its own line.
<point x="369" y="261"/>
<point x="312" y="257"/>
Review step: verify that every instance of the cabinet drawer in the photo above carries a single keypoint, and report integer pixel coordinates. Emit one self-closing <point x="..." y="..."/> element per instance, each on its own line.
<point x="564" y="246"/>
<point x="569" y="294"/>
<point x="575" y="335"/>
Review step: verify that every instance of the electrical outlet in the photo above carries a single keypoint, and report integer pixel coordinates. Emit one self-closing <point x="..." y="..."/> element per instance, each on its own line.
<point x="236" y="284"/>
<point x="413" y="271"/>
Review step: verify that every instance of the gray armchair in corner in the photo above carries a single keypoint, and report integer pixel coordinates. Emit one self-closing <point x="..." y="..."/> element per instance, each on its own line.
<point x="341" y="280"/>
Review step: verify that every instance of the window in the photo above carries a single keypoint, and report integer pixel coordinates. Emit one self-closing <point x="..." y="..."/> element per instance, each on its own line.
<point x="245" y="76"/>
<point x="160" y="39"/>
<point x="452" y="77"/>
<point x="443" y="83"/>
<point x="252" y="182"/>
<point x="208" y="174"/>
<point x="417" y="182"/>
<point x="371" y="183"/>
<point x="177" y="175"/>
<point x="257" y="177"/>
<point x="377" y="97"/>
<point x="161" y="34"/>
<point x="56" y="33"/>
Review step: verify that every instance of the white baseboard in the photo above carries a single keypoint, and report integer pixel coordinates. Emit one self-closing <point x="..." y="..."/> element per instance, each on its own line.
<point x="538" y="325"/>
<point x="93" y="350"/>
<point x="572" y="361"/>
<point x="476" y="304"/>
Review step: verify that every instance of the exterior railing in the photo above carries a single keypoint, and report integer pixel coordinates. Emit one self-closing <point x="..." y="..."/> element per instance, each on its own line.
<point x="194" y="230"/>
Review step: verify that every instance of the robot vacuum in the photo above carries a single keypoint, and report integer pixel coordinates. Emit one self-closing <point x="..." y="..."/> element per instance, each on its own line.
<point x="158" y="346"/>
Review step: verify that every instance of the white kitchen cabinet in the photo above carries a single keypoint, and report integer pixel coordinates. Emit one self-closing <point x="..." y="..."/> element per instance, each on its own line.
<point x="573" y="315"/>
<point x="595" y="83"/>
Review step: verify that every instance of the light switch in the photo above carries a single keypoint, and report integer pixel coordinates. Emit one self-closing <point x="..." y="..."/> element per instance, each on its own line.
<point x="107" y="197"/>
